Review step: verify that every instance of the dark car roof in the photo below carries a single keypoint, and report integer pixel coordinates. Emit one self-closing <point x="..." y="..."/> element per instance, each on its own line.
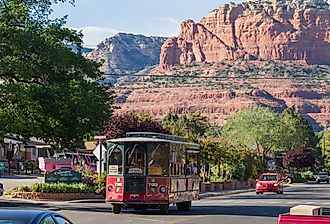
<point x="26" y="216"/>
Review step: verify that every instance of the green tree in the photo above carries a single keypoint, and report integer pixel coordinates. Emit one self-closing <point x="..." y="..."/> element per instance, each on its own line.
<point x="325" y="147"/>
<point x="47" y="90"/>
<point x="254" y="128"/>
<point x="296" y="132"/>
<point x="191" y="126"/>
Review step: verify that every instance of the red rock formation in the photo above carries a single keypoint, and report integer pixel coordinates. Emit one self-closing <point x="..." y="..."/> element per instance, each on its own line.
<point x="252" y="31"/>
<point x="218" y="104"/>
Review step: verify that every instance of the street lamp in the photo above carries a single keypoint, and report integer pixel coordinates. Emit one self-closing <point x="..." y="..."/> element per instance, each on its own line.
<point x="99" y="139"/>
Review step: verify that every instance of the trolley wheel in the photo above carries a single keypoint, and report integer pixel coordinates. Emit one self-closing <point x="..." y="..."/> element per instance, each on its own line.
<point x="184" y="206"/>
<point x="116" y="209"/>
<point x="164" y="209"/>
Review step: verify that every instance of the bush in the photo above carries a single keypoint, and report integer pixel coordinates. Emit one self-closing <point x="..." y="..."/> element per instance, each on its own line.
<point x="303" y="177"/>
<point x="60" y="188"/>
<point x="307" y="176"/>
<point x="22" y="189"/>
<point x="100" y="184"/>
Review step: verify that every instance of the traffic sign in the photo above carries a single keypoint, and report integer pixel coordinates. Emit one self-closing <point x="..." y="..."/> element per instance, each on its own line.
<point x="96" y="151"/>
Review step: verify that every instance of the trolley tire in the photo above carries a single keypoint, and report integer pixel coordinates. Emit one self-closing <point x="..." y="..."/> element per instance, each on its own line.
<point x="187" y="206"/>
<point x="116" y="209"/>
<point x="183" y="206"/>
<point x="164" y="209"/>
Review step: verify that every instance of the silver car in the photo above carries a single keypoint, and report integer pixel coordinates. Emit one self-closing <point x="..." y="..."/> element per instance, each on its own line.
<point x="322" y="177"/>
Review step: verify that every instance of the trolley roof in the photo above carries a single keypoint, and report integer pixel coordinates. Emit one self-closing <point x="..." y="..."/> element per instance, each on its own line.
<point x="154" y="137"/>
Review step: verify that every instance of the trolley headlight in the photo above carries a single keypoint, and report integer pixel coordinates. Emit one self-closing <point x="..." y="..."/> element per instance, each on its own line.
<point x="110" y="188"/>
<point x="258" y="185"/>
<point x="162" y="189"/>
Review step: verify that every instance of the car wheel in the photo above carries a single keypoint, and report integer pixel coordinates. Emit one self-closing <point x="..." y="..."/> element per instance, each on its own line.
<point x="327" y="181"/>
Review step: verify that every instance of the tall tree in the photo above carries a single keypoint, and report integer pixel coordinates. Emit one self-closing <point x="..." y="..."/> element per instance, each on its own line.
<point x="257" y="128"/>
<point x="296" y="132"/>
<point x="47" y="91"/>
<point x="191" y="126"/>
<point x="325" y="147"/>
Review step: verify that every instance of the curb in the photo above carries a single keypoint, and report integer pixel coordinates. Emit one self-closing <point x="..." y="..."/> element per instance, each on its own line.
<point x="10" y="199"/>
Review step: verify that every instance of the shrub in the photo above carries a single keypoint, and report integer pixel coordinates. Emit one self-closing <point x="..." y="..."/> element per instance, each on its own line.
<point x="60" y="188"/>
<point x="21" y="189"/>
<point x="307" y="176"/>
<point x="100" y="184"/>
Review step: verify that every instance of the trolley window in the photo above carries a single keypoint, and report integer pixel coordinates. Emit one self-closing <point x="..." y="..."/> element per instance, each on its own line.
<point x="192" y="162"/>
<point x="177" y="164"/>
<point x="135" y="159"/>
<point x="115" y="161"/>
<point x="158" y="159"/>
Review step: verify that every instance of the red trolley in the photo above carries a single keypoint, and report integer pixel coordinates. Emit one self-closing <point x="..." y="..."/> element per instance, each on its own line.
<point x="152" y="170"/>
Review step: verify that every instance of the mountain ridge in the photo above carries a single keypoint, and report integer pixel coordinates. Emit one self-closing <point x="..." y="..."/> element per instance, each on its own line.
<point x="126" y="53"/>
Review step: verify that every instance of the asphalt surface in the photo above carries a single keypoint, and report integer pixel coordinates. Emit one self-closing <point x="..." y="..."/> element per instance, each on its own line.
<point x="244" y="208"/>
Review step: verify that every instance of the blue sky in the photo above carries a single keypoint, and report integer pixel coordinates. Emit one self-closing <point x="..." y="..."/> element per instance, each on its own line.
<point x="99" y="19"/>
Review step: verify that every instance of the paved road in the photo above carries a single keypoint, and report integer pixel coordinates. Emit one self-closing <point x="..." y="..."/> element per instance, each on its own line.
<point x="245" y="208"/>
<point x="11" y="181"/>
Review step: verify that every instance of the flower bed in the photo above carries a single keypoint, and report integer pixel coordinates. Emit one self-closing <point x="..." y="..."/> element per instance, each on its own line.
<point x="55" y="196"/>
<point x="57" y="192"/>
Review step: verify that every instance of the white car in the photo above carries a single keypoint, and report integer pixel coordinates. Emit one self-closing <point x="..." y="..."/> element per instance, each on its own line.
<point x="322" y="177"/>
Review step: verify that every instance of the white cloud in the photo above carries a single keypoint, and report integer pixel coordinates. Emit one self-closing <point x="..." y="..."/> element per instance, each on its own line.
<point x="95" y="35"/>
<point x="167" y="19"/>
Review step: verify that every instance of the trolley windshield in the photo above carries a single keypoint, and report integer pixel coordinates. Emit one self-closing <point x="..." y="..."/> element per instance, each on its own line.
<point x="138" y="158"/>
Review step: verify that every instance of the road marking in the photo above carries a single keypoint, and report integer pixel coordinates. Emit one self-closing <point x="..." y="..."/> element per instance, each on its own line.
<point x="149" y="220"/>
<point x="186" y="219"/>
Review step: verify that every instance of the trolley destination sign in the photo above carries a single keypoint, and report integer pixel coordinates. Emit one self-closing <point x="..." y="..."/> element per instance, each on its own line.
<point x="63" y="175"/>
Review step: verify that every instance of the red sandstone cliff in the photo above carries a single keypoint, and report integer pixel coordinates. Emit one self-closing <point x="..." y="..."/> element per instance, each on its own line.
<point x="253" y="30"/>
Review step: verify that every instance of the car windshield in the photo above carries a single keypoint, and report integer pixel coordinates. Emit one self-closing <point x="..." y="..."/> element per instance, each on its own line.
<point x="323" y="173"/>
<point x="268" y="177"/>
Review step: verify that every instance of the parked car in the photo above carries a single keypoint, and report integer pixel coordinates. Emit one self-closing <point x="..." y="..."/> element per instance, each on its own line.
<point x="32" y="217"/>
<point x="322" y="177"/>
<point x="269" y="182"/>
<point x="1" y="189"/>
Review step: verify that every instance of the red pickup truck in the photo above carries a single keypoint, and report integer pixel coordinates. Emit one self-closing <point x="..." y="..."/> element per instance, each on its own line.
<point x="305" y="214"/>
